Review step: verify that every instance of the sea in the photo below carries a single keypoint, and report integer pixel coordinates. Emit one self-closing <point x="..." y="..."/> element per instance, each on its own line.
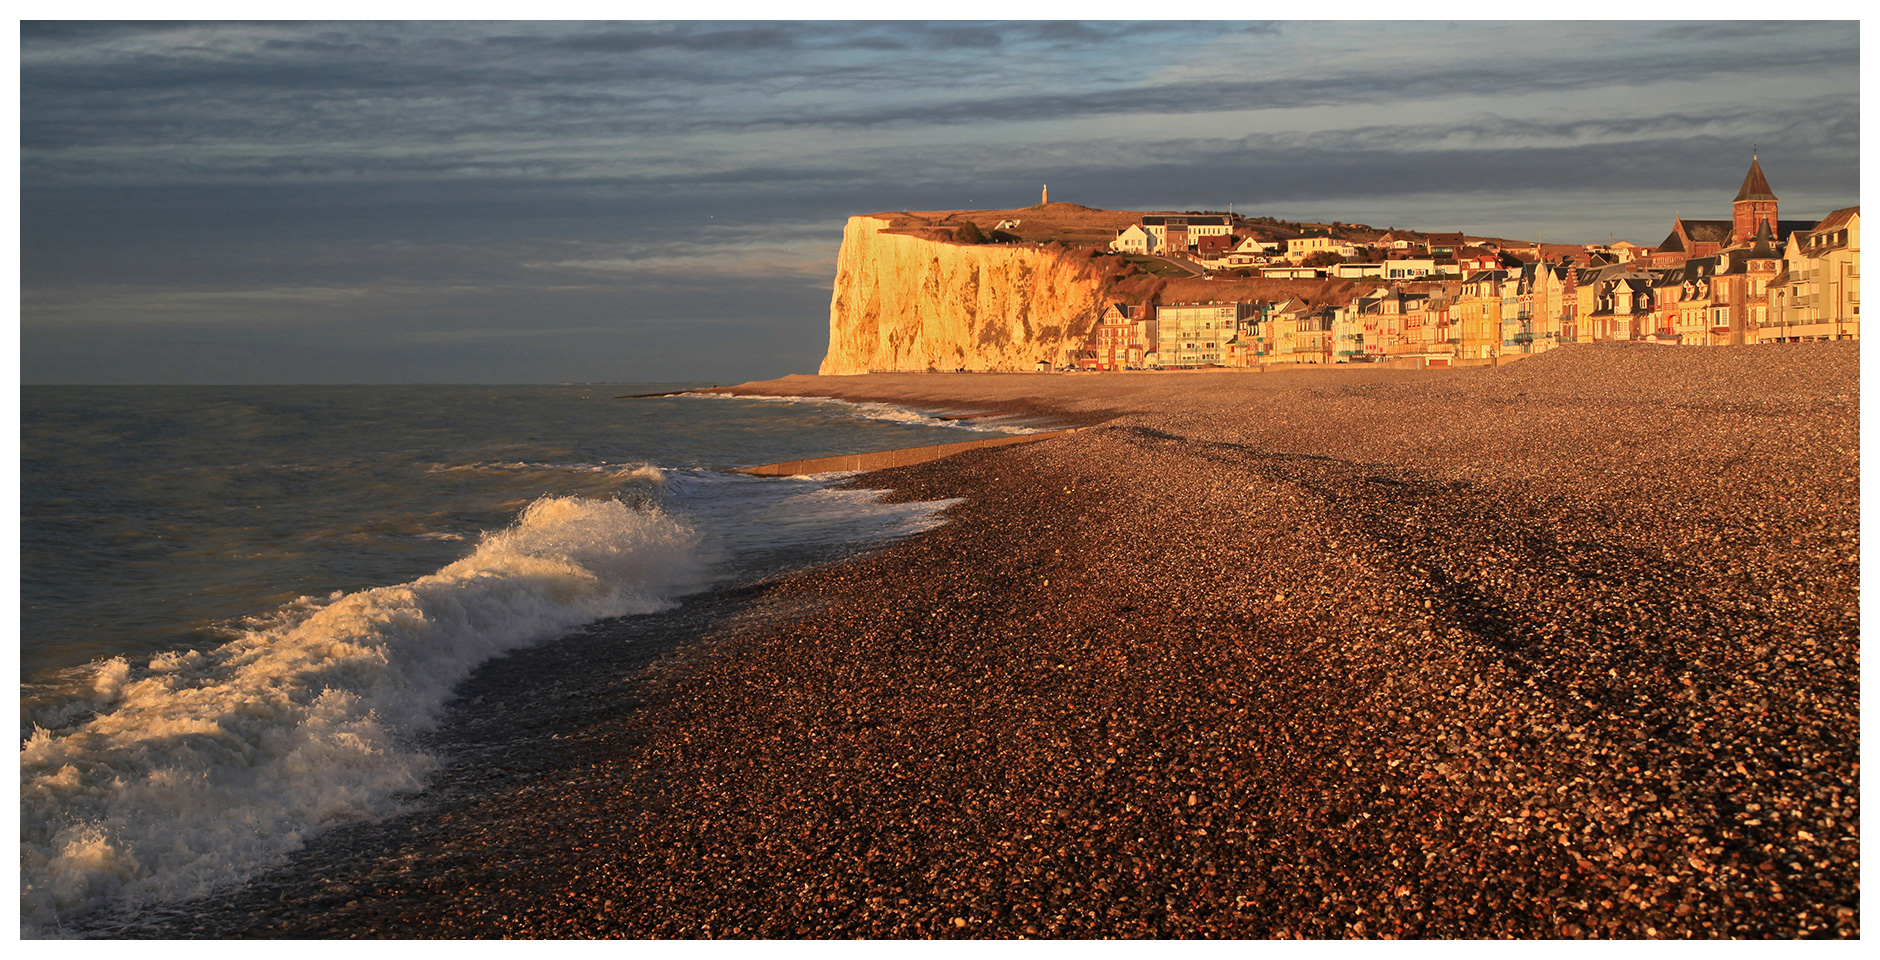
<point x="242" y="608"/>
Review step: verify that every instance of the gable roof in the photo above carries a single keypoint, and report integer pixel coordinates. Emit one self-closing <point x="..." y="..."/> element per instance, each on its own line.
<point x="1709" y="231"/>
<point x="1185" y="220"/>
<point x="1755" y="185"/>
<point x="1838" y="218"/>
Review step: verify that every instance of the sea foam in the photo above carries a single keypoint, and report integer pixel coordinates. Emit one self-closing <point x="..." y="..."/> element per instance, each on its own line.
<point x="888" y="412"/>
<point x="164" y="780"/>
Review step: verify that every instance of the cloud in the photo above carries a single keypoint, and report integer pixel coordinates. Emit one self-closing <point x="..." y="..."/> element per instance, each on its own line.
<point x="230" y="93"/>
<point x="813" y="263"/>
<point x="304" y="191"/>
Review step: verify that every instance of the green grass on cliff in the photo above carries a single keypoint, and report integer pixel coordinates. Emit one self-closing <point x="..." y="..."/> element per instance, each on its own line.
<point x="1155" y="266"/>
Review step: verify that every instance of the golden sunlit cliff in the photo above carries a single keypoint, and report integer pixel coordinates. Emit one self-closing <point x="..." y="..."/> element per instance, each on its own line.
<point x="906" y="303"/>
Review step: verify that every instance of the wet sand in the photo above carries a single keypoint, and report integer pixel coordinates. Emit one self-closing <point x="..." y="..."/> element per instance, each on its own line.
<point x="1567" y="648"/>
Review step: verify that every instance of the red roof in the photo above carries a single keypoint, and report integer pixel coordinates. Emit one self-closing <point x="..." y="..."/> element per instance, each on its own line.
<point x="1755" y="185"/>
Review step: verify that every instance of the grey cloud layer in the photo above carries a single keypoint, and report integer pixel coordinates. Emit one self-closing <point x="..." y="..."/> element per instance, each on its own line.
<point x="428" y="186"/>
<point x="432" y="86"/>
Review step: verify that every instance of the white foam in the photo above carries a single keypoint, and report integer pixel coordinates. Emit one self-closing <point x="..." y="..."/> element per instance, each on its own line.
<point x="163" y="780"/>
<point x="742" y="514"/>
<point x="886" y="411"/>
<point x="625" y="472"/>
<point x="198" y="768"/>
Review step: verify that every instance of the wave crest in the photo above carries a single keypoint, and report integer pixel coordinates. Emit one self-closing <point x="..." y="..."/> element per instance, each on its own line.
<point x="194" y="770"/>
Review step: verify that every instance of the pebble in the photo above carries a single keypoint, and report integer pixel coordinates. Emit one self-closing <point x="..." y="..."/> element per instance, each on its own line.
<point x="1565" y="648"/>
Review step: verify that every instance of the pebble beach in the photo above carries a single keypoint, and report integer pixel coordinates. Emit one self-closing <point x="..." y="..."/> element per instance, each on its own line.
<point x="1566" y="648"/>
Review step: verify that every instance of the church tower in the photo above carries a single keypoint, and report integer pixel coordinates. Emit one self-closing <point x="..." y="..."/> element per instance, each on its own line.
<point x="1755" y="205"/>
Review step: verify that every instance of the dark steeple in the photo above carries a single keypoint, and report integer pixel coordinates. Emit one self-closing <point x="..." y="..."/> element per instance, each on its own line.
<point x="1755" y="204"/>
<point x="1763" y="246"/>
<point x="1755" y="185"/>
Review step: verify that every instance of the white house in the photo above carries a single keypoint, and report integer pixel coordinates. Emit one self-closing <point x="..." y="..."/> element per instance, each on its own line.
<point x="1355" y="271"/>
<point x="1409" y="268"/>
<point x="1175" y="234"/>
<point x="1134" y="239"/>
<point x="1299" y="248"/>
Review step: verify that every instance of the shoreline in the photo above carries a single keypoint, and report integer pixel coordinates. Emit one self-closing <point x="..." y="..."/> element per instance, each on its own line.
<point x="1400" y="654"/>
<point x="896" y="457"/>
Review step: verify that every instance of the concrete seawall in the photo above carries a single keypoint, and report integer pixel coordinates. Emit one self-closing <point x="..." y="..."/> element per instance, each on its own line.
<point x="891" y="458"/>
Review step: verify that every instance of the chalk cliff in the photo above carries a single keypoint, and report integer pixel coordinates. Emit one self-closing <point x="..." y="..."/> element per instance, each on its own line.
<point x="906" y="303"/>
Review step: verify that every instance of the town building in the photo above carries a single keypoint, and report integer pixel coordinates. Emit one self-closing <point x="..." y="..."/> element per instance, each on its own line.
<point x="1357" y="271"/>
<point x="1212" y="246"/>
<point x="1753" y="278"/>
<point x="1291" y="273"/>
<point x="1755" y="206"/>
<point x="1410" y="268"/>
<point x="1123" y="339"/>
<point x="1177" y="234"/>
<point x="1196" y="334"/>
<point x="1817" y="294"/>
<point x="1133" y="239"/>
<point x="1615" y="303"/>
<point x="1478" y="314"/>
<point x="1299" y="248"/>
<point x="1443" y="244"/>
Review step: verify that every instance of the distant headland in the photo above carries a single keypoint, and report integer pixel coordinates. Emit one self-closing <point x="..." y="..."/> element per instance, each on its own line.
<point x="1063" y="286"/>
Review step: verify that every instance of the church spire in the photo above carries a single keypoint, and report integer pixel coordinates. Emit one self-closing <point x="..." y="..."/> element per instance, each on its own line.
<point x="1754" y="207"/>
<point x="1755" y="185"/>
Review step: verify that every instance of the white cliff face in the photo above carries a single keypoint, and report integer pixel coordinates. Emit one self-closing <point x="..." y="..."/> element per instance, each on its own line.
<point x="906" y="304"/>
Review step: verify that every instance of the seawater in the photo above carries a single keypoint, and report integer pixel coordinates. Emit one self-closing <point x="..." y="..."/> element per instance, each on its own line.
<point x="240" y="605"/>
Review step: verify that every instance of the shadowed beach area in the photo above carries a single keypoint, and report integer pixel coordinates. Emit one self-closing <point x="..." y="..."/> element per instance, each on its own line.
<point x="1564" y="648"/>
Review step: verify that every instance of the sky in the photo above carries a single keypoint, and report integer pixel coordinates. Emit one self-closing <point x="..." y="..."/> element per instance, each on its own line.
<point x="638" y="202"/>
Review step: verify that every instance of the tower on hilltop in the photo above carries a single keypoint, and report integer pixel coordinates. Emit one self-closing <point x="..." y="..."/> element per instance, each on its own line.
<point x="1755" y="204"/>
<point x="1047" y="195"/>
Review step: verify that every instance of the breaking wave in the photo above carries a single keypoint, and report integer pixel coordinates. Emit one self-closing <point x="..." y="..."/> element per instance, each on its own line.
<point x="154" y="781"/>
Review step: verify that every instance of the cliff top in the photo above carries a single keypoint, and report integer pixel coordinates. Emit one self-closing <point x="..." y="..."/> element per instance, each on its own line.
<point x="1067" y="222"/>
<point x="1078" y="225"/>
